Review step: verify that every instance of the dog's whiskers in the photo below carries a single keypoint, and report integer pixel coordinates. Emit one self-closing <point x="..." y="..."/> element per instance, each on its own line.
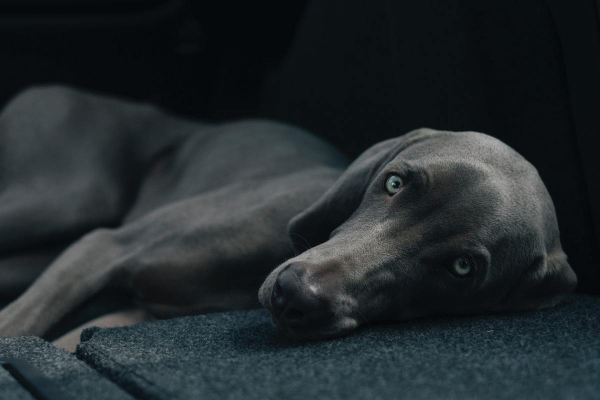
<point x="361" y="314"/>
<point x="307" y="246"/>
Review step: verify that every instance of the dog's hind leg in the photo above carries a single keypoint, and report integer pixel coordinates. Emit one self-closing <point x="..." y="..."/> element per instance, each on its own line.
<point x="81" y="271"/>
<point x="204" y="253"/>
<point x="19" y="270"/>
<point x="71" y="161"/>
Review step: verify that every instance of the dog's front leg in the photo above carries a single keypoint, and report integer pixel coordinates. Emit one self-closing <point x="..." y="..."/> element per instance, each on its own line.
<point x="78" y="273"/>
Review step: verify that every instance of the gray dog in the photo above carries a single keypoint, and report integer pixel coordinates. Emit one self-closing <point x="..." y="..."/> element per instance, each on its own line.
<point x="191" y="218"/>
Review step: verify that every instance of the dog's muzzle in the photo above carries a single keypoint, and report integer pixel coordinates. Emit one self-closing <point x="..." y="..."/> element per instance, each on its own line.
<point x="308" y="301"/>
<point x="297" y="303"/>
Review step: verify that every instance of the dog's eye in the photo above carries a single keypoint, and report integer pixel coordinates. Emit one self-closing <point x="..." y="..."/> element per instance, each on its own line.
<point x="461" y="267"/>
<point x="393" y="184"/>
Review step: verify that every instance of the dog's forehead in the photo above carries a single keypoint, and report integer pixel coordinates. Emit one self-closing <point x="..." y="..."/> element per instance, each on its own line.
<point x="472" y="158"/>
<point x="466" y="146"/>
<point x="478" y="177"/>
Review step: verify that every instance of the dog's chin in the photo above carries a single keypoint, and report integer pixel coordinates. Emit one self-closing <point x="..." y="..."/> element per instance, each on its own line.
<point x="338" y="328"/>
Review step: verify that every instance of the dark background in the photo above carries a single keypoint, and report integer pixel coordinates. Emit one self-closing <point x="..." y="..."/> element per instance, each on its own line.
<point x="353" y="72"/>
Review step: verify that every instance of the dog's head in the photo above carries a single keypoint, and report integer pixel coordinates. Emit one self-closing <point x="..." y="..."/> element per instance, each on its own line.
<point x="428" y="223"/>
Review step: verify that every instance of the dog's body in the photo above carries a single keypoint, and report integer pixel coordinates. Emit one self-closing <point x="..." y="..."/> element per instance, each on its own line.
<point x="193" y="217"/>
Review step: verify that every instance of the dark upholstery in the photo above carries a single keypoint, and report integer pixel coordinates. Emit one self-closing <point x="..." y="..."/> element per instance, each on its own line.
<point x="72" y="378"/>
<point x="550" y="354"/>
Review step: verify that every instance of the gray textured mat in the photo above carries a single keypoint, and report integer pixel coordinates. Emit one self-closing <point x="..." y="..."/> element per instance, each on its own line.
<point x="11" y="389"/>
<point x="552" y="354"/>
<point x="73" y="378"/>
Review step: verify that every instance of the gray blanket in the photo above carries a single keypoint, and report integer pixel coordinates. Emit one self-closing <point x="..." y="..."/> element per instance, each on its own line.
<point x="552" y="354"/>
<point x="70" y="376"/>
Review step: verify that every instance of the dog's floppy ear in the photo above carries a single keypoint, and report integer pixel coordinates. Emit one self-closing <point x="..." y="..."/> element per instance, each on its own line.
<point x="314" y="225"/>
<point x="541" y="285"/>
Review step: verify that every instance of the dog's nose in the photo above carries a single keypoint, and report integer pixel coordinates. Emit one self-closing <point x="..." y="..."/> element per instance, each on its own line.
<point x="296" y="302"/>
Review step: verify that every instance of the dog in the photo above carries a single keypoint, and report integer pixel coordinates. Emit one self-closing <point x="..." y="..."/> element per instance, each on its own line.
<point x="193" y="217"/>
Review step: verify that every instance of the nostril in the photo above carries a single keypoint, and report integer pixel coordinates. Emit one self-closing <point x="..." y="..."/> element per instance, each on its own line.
<point x="278" y="300"/>
<point x="293" y="315"/>
<point x="277" y="290"/>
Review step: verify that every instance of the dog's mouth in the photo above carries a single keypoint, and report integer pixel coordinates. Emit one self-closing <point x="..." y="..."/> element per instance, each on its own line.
<point x="338" y="325"/>
<point x="335" y="329"/>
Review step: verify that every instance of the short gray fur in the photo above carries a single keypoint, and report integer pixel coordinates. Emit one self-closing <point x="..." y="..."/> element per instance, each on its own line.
<point x="190" y="217"/>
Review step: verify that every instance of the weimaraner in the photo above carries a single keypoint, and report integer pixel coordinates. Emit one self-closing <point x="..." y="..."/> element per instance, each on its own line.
<point x="193" y="218"/>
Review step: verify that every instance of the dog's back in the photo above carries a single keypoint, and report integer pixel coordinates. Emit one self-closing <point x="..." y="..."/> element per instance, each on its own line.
<point x="247" y="154"/>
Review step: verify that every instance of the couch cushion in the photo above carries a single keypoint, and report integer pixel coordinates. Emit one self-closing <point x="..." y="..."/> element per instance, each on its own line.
<point x="71" y="377"/>
<point x="546" y="354"/>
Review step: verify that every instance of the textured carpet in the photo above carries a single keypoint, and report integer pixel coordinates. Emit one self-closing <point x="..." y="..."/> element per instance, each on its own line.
<point x="551" y="354"/>
<point x="71" y="377"/>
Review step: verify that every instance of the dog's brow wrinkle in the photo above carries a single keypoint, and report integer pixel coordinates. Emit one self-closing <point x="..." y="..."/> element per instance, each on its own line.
<point x="425" y="178"/>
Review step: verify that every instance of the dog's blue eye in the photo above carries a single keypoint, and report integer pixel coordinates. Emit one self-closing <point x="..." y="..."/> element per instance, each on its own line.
<point x="393" y="184"/>
<point x="461" y="267"/>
